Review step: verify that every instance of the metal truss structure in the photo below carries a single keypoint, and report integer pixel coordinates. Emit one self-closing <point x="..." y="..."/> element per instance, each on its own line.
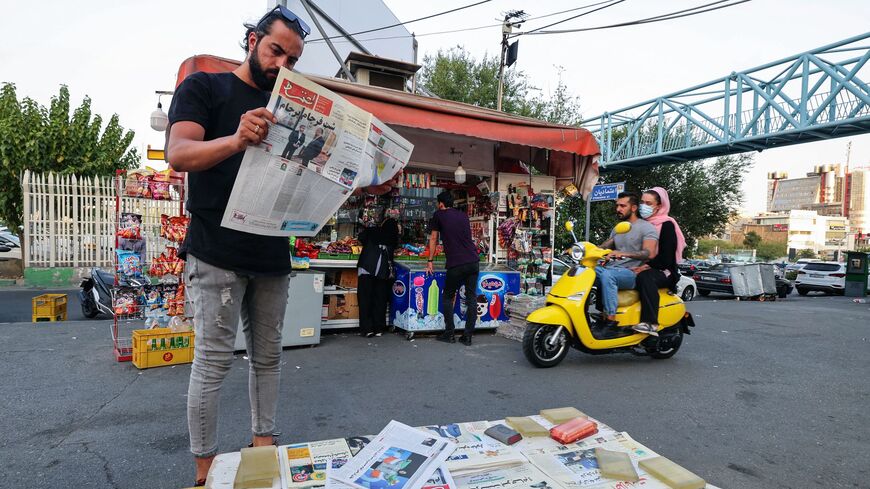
<point x="816" y="95"/>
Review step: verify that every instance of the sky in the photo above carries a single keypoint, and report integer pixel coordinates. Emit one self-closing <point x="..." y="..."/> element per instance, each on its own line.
<point x="119" y="52"/>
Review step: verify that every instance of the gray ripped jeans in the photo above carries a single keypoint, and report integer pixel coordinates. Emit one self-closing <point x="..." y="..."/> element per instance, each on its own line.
<point x="219" y="298"/>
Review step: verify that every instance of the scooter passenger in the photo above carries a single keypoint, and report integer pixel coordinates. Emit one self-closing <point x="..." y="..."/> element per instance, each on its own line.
<point x="631" y="250"/>
<point x="661" y="271"/>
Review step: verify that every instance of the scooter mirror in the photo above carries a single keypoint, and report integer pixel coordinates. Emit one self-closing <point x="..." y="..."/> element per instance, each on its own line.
<point x="569" y="225"/>
<point x="622" y="228"/>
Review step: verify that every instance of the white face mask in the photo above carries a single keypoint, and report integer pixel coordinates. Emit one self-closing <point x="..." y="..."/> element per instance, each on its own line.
<point x="645" y="211"/>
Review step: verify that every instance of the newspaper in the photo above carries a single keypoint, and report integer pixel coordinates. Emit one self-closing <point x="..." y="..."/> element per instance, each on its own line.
<point x="305" y="464"/>
<point x="525" y="476"/>
<point x="320" y="150"/>
<point x="576" y="467"/>
<point x="475" y="457"/>
<point x="460" y="432"/>
<point x="441" y="479"/>
<point x="400" y="457"/>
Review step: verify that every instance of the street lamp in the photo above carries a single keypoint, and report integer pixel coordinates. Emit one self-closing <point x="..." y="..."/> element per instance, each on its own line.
<point x="159" y="119"/>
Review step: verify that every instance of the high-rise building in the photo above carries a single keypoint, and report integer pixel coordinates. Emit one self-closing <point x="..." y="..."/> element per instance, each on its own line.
<point x="858" y="208"/>
<point x="829" y="190"/>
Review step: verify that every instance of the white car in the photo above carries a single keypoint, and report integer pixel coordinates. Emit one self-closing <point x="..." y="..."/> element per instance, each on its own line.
<point x="686" y="287"/>
<point x="821" y="276"/>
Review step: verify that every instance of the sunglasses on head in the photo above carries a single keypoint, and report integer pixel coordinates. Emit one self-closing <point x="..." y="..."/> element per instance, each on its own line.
<point x="299" y="25"/>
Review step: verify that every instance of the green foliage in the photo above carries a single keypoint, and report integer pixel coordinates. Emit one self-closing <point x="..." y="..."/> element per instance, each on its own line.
<point x="751" y="240"/>
<point x="42" y="139"/>
<point x="807" y="253"/>
<point x="705" y="196"/>
<point x="457" y="75"/>
<point x="713" y="246"/>
<point x="769" y="251"/>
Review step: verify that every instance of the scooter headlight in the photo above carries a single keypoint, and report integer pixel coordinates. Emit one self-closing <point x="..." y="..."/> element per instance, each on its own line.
<point x="577" y="252"/>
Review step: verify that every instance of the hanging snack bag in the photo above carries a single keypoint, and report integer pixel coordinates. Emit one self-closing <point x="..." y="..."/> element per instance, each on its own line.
<point x="126" y="302"/>
<point x="159" y="190"/>
<point x="130" y="226"/>
<point x="129" y="265"/>
<point x="173" y="228"/>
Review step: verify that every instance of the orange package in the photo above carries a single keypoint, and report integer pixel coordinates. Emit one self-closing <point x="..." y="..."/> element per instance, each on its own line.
<point x="573" y="430"/>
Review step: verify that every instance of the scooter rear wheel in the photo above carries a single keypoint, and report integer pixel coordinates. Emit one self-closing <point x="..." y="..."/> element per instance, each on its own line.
<point x="541" y="348"/>
<point x="89" y="309"/>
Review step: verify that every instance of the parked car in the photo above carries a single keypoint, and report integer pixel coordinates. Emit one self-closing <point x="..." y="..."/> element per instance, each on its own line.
<point x="10" y="240"/>
<point x="687" y="288"/>
<point x="824" y="276"/>
<point x="718" y="279"/>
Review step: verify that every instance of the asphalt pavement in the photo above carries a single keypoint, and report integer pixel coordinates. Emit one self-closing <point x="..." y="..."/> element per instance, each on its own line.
<point x="761" y="395"/>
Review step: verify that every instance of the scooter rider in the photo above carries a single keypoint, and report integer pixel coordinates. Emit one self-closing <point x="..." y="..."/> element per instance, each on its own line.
<point x="631" y="250"/>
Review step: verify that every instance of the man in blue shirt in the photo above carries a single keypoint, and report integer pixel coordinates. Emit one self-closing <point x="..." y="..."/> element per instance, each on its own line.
<point x="462" y="264"/>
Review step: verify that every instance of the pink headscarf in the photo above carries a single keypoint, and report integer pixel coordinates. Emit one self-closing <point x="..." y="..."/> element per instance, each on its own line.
<point x="661" y="215"/>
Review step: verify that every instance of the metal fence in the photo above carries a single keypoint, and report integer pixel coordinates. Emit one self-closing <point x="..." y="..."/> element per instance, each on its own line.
<point x="70" y="221"/>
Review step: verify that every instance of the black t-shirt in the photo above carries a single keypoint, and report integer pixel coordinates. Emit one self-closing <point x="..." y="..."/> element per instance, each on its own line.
<point x="216" y="101"/>
<point x="455" y="230"/>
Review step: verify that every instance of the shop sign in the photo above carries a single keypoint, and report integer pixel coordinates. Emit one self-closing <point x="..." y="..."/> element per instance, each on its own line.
<point x="491" y="284"/>
<point x="398" y="288"/>
<point x="780" y="227"/>
<point x="834" y="227"/>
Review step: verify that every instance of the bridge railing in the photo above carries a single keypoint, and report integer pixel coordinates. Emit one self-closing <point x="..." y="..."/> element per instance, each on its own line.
<point x="807" y="96"/>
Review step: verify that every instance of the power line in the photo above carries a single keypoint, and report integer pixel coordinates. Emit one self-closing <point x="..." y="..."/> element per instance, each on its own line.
<point x="611" y="4"/>
<point x="466" y="29"/>
<point x="648" y="20"/>
<point x="405" y="23"/>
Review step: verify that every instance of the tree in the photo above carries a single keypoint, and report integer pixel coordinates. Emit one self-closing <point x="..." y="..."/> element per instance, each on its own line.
<point x="768" y="251"/>
<point x="712" y="246"/>
<point x="705" y="196"/>
<point x="806" y="253"/>
<point x="456" y="75"/>
<point x="751" y="240"/>
<point x="44" y="139"/>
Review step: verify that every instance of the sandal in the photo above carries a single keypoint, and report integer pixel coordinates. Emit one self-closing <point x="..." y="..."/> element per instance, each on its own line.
<point x="199" y="483"/>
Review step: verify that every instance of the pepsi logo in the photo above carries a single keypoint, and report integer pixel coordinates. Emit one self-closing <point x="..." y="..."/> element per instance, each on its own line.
<point x="398" y="288"/>
<point x="491" y="283"/>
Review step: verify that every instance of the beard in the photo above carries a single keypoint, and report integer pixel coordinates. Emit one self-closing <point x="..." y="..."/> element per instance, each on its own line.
<point x="260" y="75"/>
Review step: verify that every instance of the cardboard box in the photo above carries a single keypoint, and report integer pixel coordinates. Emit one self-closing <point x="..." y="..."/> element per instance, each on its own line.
<point x="336" y="309"/>
<point x="348" y="279"/>
<point x="343" y="306"/>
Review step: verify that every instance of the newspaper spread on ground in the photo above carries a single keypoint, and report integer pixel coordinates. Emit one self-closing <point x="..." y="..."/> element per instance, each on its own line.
<point x="575" y="466"/>
<point x="304" y="465"/>
<point x="525" y="476"/>
<point x="459" y="432"/>
<point x="320" y="150"/>
<point x="441" y="479"/>
<point x="475" y="457"/>
<point x="399" y="457"/>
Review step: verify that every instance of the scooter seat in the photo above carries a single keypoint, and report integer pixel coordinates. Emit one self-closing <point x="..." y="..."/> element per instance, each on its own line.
<point x="627" y="297"/>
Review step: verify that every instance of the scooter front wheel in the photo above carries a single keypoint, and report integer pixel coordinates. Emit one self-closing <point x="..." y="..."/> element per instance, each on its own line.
<point x="542" y="347"/>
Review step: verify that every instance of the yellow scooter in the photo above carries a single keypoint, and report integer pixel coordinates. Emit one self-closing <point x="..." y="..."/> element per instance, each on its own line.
<point x="565" y="320"/>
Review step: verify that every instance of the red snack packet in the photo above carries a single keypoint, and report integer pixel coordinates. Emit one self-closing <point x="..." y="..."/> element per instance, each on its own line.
<point x="573" y="430"/>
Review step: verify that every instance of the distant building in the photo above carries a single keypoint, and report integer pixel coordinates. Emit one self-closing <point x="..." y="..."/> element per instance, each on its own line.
<point x="829" y="190"/>
<point x="804" y="230"/>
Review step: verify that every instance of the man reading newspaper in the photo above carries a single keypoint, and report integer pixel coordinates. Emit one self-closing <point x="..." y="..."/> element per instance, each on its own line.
<point x="232" y="274"/>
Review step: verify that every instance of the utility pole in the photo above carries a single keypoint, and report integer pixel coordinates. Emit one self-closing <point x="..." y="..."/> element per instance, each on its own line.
<point x="506" y="28"/>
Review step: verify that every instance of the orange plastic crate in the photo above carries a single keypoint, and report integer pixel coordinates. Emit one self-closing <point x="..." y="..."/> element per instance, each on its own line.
<point x="159" y="347"/>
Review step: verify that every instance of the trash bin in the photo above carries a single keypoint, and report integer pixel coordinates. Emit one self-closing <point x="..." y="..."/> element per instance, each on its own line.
<point x="857" y="274"/>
